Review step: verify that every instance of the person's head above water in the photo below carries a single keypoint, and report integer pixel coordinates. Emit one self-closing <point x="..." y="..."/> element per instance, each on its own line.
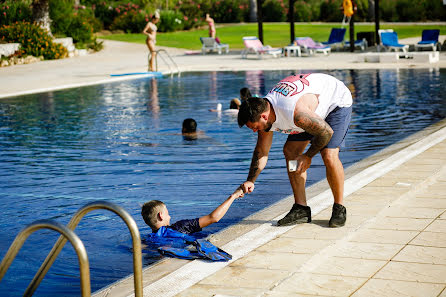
<point x="245" y="93"/>
<point x="234" y="104"/>
<point x="155" y="214"/>
<point x="189" y="126"/>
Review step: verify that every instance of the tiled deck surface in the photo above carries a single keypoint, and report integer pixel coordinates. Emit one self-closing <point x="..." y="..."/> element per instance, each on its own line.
<point x="394" y="244"/>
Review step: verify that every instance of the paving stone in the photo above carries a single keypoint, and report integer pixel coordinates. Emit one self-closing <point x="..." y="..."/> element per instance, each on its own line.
<point x="318" y="284"/>
<point x="295" y="245"/>
<point x="386" y="288"/>
<point x="443" y="216"/>
<point x="289" y="294"/>
<point x="424" y="202"/>
<point x="408" y="224"/>
<point x="416" y="272"/>
<point x="443" y="294"/>
<point x="422" y="254"/>
<point x="272" y="260"/>
<point x="241" y="277"/>
<point x="384" y="236"/>
<point x="372" y="251"/>
<point x="349" y="267"/>
<point x="435" y="239"/>
<point x="214" y="291"/>
<point x="437" y="226"/>
<point x="318" y="229"/>
<point x="400" y="211"/>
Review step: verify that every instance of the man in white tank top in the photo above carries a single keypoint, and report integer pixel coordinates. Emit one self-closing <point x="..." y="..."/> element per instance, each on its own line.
<point x="312" y="108"/>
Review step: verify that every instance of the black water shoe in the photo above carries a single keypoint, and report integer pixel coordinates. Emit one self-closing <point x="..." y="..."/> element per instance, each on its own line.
<point x="298" y="214"/>
<point x="338" y="216"/>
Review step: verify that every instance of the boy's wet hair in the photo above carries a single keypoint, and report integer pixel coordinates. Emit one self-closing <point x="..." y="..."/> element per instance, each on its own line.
<point x="251" y="109"/>
<point x="149" y="212"/>
<point x="189" y="126"/>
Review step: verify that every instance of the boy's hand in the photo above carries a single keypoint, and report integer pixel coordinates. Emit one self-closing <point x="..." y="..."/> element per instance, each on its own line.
<point x="238" y="193"/>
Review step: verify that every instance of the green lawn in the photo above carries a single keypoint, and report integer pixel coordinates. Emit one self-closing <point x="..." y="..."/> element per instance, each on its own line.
<point x="274" y="34"/>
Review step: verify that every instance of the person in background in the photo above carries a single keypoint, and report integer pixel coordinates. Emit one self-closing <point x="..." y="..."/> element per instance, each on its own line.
<point x="150" y="31"/>
<point x="210" y="21"/>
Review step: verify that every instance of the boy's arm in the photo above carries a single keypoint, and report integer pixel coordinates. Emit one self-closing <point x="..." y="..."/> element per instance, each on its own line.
<point x="220" y="211"/>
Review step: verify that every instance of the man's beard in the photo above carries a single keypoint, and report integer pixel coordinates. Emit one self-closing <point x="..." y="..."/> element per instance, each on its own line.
<point x="268" y="127"/>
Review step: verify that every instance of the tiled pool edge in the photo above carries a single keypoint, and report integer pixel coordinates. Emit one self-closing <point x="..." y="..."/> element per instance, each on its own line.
<point x="369" y="169"/>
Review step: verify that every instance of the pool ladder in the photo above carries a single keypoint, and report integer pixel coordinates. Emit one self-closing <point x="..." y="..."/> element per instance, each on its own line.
<point x="67" y="233"/>
<point x="164" y="52"/>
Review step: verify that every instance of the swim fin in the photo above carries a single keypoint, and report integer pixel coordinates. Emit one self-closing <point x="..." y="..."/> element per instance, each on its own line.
<point x="210" y="251"/>
<point x="179" y="253"/>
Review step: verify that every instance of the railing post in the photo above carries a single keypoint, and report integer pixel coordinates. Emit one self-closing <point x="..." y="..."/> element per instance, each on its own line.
<point x="137" y="257"/>
<point x="66" y="234"/>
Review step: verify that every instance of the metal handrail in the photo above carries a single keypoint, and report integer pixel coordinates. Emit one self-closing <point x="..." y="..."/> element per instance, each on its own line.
<point x="66" y="234"/>
<point x="167" y="54"/>
<point x="137" y="257"/>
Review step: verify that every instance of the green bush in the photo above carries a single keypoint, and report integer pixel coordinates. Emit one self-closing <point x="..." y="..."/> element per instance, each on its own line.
<point x="105" y="12"/>
<point x="170" y="21"/>
<point x="80" y="30"/>
<point x="303" y="12"/>
<point x="228" y="11"/>
<point x="34" y="40"/>
<point x="130" y="20"/>
<point x="274" y="11"/>
<point x="331" y="11"/>
<point x="61" y="12"/>
<point x="12" y="11"/>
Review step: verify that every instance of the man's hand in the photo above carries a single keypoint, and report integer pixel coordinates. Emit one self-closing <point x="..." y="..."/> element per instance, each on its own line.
<point x="246" y="187"/>
<point x="303" y="163"/>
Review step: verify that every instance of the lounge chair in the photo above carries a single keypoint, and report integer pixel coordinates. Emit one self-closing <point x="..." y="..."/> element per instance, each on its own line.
<point x="255" y="46"/>
<point x="336" y="38"/>
<point x="210" y="45"/>
<point x="429" y="39"/>
<point x="359" y="43"/>
<point x="309" y="46"/>
<point x="389" y="41"/>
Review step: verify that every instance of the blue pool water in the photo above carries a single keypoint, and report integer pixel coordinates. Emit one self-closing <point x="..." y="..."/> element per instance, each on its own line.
<point x="121" y="142"/>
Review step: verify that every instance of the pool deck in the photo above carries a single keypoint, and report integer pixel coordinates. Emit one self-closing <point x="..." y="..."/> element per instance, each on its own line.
<point x="394" y="242"/>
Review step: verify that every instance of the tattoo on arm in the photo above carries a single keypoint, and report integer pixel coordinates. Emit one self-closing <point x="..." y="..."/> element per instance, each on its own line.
<point x="317" y="127"/>
<point x="254" y="168"/>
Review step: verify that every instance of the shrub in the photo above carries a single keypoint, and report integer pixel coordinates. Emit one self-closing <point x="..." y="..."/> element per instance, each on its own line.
<point x="228" y="11"/>
<point x="14" y="11"/>
<point x="331" y="11"/>
<point x="35" y="41"/>
<point x="130" y="20"/>
<point x="61" y="12"/>
<point x="105" y="12"/>
<point x="387" y="10"/>
<point x="170" y="21"/>
<point x="80" y="30"/>
<point x="303" y="12"/>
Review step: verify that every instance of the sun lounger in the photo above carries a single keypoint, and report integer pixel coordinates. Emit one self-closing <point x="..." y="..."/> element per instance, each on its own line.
<point x="255" y="46"/>
<point x="359" y="43"/>
<point x="389" y="41"/>
<point x="429" y="39"/>
<point x="210" y="45"/>
<point x="336" y="38"/>
<point x="309" y="46"/>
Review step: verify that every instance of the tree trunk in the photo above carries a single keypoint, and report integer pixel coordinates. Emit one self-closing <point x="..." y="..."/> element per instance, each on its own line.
<point x="41" y="14"/>
<point x="252" y="10"/>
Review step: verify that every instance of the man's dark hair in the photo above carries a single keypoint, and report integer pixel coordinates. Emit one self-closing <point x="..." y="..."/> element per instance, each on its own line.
<point x="189" y="126"/>
<point x="245" y="93"/>
<point x="149" y="212"/>
<point x="251" y="109"/>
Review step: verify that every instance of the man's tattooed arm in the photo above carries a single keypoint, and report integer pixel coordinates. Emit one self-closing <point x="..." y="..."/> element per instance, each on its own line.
<point x="254" y="168"/>
<point x="317" y="127"/>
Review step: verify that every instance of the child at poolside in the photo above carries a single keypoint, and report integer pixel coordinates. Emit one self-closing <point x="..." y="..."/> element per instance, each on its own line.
<point x="156" y="215"/>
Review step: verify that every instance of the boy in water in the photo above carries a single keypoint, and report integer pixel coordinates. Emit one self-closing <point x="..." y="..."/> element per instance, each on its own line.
<point x="156" y="215"/>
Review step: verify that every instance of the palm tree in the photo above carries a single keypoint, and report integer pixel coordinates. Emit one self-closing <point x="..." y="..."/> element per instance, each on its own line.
<point x="253" y="10"/>
<point x="41" y="14"/>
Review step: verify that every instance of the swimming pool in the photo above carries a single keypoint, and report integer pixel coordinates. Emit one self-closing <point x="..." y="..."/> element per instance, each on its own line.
<point x="121" y="142"/>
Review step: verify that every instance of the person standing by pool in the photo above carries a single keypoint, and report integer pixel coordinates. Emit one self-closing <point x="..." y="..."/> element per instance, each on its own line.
<point x="211" y="23"/>
<point x="150" y="31"/>
<point x="311" y="108"/>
